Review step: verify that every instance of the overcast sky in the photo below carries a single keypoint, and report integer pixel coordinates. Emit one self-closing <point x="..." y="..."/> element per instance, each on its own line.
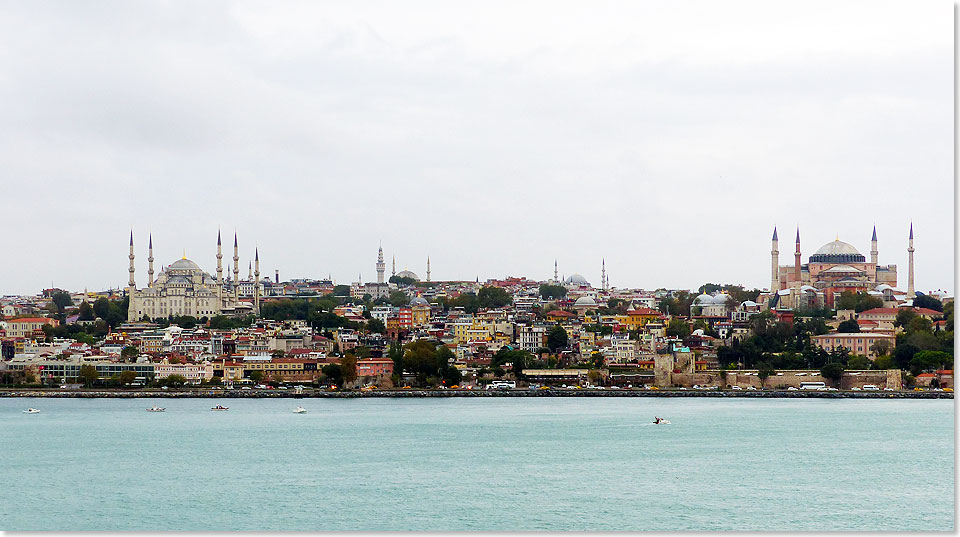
<point x="666" y="137"/>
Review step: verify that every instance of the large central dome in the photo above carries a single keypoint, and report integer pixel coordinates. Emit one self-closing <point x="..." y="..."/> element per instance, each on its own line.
<point x="184" y="264"/>
<point x="837" y="252"/>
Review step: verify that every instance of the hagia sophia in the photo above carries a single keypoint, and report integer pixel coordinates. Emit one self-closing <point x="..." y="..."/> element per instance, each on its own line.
<point x="834" y="268"/>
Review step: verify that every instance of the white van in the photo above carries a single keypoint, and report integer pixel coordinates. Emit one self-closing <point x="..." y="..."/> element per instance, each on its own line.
<point x="870" y="388"/>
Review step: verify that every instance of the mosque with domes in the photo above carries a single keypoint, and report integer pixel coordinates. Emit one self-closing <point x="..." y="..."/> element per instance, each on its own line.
<point x="183" y="288"/>
<point x="833" y="269"/>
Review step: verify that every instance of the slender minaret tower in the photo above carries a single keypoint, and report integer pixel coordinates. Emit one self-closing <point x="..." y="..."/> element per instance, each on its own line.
<point x="276" y="275"/>
<point x="393" y="269"/>
<point x="381" y="266"/>
<point x="603" y="274"/>
<point x="775" y="264"/>
<point x="133" y="284"/>
<point x="796" y="260"/>
<point x="555" y="271"/>
<point x="874" y="254"/>
<point x="150" y="262"/>
<point x="428" y="268"/>
<point x="256" y="283"/>
<point x="911" y="292"/>
<point x="236" y="260"/>
<point x="219" y="271"/>
<point x="249" y="271"/>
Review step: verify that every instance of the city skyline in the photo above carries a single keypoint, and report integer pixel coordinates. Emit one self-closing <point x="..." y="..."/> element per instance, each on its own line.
<point x="492" y="140"/>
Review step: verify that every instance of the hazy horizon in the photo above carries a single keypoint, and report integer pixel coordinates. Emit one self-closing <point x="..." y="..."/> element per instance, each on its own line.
<point x="667" y="139"/>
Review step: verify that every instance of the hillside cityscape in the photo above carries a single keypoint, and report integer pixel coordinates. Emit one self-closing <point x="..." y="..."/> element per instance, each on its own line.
<point x="835" y="322"/>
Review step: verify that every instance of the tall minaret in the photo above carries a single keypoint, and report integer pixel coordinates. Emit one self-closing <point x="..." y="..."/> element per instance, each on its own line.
<point x="249" y="271"/>
<point x="911" y="291"/>
<point x="873" y="247"/>
<point x="219" y="272"/>
<point x="775" y="264"/>
<point x="796" y="260"/>
<point x="236" y="260"/>
<point x="393" y="269"/>
<point x="555" y="271"/>
<point x="133" y="284"/>
<point x="150" y="262"/>
<point x="428" y="268"/>
<point x="256" y="283"/>
<point x="381" y="266"/>
<point x="603" y="274"/>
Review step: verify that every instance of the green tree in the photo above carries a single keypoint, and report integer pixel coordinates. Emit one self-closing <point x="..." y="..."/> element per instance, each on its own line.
<point x="904" y="316"/>
<point x="493" y="297"/>
<point x="85" y="312"/>
<point x="884" y="362"/>
<point x="129" y="353"/>
<point x="176" y="381"/>
<point x="557" y="338"/>
<point x="678" y="328"/>
<point x="61" y="300"/>
<point x="348" y="368"/>
<point x="765" y="371"/>
<point x="402" y="280"/>
<point x="858" y="362"/>
<point x="925" y="301"/>
<point x="333" y="374"/>
<point x="929" y="360"/>
<point x="880" y="347"/>
<point x="552" y="292"/>
<point x="849" y="326"/>
<point x="399" y="299"/>
<point x="127" y="376"/>
<point x="832" y="371"/>
<point x="256" y="375"/>
<point x="341" y="290"/>
<point x="377" y="326"/>
<point x="88" y="374"/>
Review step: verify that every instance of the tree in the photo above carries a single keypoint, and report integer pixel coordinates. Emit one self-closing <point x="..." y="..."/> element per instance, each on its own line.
<point x="928" y="360"/>
<point x="127" y="376"/>
<point x="341" y="290"/>
<point x="348" y="368"/>
<point x="377" y="326"/>
<point x="399" y="299"/>
<point x="849" y="326"/>
<point x="557" y="338"/>
<point x="858" y="302"/>
<point x="678" y="328"/>
<point x="61" y="300"/>
<point x="493" y="297"/>
<point x="129" y="353"/>
<point x="176" y="380"/>
<point x="85" y="312"/>
<point x="832" y="371"/>
<point x="88" y="374"/>
<point x="858" y="362"/>
<point x="256" y="375"/>
<point x="880" y="347"/>
<point x="884" y="362"/>
<point x="925" y="301"/>
<point x="904" y="316"/>
<point x="764" y="371"/>
<point x="333" y="374"/>
<point x="552" y="292"/>
<point x="402" y="280"/>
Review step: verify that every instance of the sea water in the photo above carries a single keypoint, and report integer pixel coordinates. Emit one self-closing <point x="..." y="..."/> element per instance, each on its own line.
<point x="477" y="464"/>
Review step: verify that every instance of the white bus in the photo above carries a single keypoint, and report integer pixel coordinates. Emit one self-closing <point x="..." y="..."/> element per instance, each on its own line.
<point x="812" y="385"/>
<point x="502" y="385"/>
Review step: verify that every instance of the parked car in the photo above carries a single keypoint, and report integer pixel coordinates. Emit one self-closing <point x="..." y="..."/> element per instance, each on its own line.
<point x="792" y="389"/>
<point x="738" y="388"/>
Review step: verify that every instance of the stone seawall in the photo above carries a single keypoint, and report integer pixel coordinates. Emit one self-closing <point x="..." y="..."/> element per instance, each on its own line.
<point x="263" y="394"/>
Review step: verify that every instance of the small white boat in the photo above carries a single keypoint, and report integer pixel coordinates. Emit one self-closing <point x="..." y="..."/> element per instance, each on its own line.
<point x="660" y="421"/>
<point x="220" y="407"/>
<point x="300" y="410"/>
<point x="31" y="411"/>
<point x="156" y="408"/>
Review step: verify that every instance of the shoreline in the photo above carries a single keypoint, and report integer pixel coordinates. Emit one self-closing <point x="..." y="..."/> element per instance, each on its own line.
<point x="272" y="394"/>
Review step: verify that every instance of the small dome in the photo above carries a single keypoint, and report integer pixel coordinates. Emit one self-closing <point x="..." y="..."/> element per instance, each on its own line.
<point x="703" y="299"/>
<point x="585" y="301"/>
<point x="408" y="274"/>
<point x="721" y="298"/>
<point x="577" y="279"/>
<point x="419" y="301"/>
<point x="184" y="264"/>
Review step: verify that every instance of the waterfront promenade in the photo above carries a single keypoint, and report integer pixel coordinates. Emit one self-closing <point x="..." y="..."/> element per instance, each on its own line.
<point x="414" y="393"/>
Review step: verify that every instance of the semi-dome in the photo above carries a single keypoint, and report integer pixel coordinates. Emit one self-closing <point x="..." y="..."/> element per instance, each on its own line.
<point x="837" y="252"/>
<point x="184" y="264"/>
<point x="585" y="301"/>
<point x="408" y="274"/>
<point x="577" y="279"/>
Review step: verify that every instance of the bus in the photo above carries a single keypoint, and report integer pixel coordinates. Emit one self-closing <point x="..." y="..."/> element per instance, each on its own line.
<point x="502" y="385"/>
<point x="812" y="385"/>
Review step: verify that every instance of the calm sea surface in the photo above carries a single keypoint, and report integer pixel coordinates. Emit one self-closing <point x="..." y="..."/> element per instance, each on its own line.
<point x="477" y="464"/>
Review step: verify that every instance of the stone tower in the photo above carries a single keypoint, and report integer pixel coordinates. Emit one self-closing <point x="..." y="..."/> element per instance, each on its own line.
<point x="256" y="282"/>
<point x="428" y="268"/>
<point x="796" y="260"/>
<point x="381" y="266"/>
<point x="874" y="254"/>
<point x="132" y="283"/>
<point x="150" y="262"/>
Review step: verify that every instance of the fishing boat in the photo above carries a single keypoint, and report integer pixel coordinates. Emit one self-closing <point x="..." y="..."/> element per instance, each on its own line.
<point x="300" y="410"/>
<point x="156" y="408"/>
<point x="31" y="411"/>
<point x="220" y="407"/>
<point x="660" y="421"/>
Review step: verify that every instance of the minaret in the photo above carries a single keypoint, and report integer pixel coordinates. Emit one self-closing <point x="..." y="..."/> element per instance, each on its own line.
<point x="219" y="272"/>
<point x="150" y="262"/>
<point x="428" y="268"/>
<point x="276" y="275"/>
<point x="775" y="266"/>
<point x="796" y="261"/>
<point x="133" y="284"/>
<point x="236" y="261"/>
<point x="873" y="247"/>
<point x="393" y="269"/>
<point x="256" y="283"/>
<point x="381" y="266"/>
<point x="911" y="292"/>
<point x="249" y="271"/>
<point x="603" y="274"/>
<point x="555" y="271"/>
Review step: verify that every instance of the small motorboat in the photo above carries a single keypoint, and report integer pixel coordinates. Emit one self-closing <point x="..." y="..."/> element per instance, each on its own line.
<point x="156" y="408"/>
<point x="31" y="410"/>
<point x="660" y="421"/>
<point x="220" y="407"/>
<point x="300" y="410"/>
